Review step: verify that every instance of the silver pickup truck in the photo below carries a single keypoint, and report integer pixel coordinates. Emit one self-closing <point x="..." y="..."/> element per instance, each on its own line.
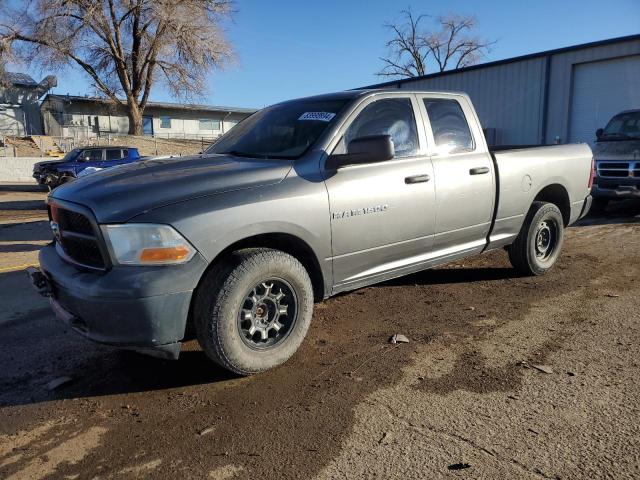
<point x="300" y="201"/>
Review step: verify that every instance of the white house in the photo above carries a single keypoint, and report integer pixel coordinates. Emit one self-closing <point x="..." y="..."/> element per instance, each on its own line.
<point x="85" y="117"/>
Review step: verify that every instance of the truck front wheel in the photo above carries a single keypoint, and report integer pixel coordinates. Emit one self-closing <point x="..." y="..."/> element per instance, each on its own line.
<point x="252" y="311"/>
<point x="537" y="247"/>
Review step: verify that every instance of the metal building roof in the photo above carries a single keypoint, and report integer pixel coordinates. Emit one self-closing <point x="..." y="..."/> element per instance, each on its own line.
<point x="176" y="106"/>
<point x="529" y="56"/>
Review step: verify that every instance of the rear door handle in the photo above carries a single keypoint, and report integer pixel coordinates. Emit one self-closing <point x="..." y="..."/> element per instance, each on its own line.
<point x="417" y="179"/>
<point x="479" y="170"/>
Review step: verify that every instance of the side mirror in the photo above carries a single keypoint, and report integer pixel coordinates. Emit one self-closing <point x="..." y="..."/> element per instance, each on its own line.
<point x="599" y="133"/>
<point x="369" y="149"/>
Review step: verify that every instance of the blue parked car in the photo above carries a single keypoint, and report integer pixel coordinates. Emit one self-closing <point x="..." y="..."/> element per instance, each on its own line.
<point x="53" y="173"/>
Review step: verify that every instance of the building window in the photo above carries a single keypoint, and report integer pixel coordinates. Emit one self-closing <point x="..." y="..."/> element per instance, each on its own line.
<point x="165" y="122"/>
<point x="209" y="124"/>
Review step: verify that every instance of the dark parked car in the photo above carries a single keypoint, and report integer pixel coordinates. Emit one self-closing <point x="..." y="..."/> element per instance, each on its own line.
<point x="56" y="172"/>
<point x="617" y="155"/>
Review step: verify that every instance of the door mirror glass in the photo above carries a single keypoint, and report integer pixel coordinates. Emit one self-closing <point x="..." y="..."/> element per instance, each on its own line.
<point x="368" y="149"/>
<point x="599" y="133"/>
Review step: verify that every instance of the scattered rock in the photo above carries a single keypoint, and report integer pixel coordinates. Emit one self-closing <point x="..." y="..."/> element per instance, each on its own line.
<point x="571" y="374"/>
<point x="471" y="308"/>
<point x="384" y="440"/>
<point x="59" y="382"/>
<point x="458" y="466"/>
<point x="543" y="368"/>
<point x="206" y="431"/>
<point x="533" y="431"/>
<point x="612" y="295"/>
<point x="398" y="338"/>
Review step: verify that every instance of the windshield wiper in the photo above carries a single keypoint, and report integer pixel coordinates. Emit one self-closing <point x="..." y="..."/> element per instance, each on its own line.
<point x="618" y="136"/>
<point x="237" y="153"/>
<point x="261" y="156"/>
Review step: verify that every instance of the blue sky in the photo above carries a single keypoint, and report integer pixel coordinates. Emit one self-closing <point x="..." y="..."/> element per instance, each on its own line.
<point x="292" y="48"/>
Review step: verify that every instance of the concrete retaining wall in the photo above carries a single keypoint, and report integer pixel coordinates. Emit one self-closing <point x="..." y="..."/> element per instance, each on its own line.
<point x="17" y="169"/>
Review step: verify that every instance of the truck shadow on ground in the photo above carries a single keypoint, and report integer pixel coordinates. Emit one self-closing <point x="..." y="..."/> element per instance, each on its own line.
<point x="38" y="349"/>
<point x="626" y="211"/>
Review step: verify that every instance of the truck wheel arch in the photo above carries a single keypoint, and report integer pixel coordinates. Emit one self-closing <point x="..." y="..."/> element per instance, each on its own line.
<point x="287" y="243"/>
<point x="558" y="195"/>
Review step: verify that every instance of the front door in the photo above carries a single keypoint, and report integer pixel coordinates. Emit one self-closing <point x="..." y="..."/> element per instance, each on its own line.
<point x="382" y="214"/>
<point x="464" y="178"/>
<point x="147" y="126"/>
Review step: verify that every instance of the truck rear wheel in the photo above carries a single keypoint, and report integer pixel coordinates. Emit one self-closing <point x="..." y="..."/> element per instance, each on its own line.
<point x="537" y="247"/>
<point x="253" y="310"/>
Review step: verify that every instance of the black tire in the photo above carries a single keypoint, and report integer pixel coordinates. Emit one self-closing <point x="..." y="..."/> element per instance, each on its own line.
<point x="222" y="303"/>
<point x="66" y="179"/>
<point x="539" y="243"/>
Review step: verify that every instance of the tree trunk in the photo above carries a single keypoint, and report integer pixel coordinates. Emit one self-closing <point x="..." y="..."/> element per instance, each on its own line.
<point x="135" y="119"/>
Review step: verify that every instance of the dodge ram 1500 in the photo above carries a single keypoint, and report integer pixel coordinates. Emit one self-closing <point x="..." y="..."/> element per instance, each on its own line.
<point x="300" y="201"/>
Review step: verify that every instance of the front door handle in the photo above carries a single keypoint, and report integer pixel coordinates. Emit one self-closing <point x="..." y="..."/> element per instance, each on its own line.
<point x="417" y="179"/>
<point x="479" y="170"/>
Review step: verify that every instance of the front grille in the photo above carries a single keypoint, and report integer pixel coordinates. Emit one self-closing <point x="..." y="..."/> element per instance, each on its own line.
<point x="614" y="169"/>
<point x="74" y="222"/>
<point x="78" y="238"/>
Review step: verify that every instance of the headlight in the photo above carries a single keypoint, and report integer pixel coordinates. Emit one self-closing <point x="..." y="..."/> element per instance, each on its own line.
<point x="146" y="244"/>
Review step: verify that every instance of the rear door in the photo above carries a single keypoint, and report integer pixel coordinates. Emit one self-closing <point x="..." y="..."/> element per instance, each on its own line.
<point x="382" y="214"/>
<point x="463" y="172"/>
<point x="114" y="156"/>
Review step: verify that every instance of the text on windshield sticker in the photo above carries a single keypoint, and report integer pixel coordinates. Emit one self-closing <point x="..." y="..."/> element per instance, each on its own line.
<point x="317" y="116"/>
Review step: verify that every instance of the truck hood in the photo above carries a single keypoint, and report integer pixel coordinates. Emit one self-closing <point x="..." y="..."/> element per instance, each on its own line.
<point x="47" y="164"/>
<point x="619" y="150"/>
<point x="118" y="194"/>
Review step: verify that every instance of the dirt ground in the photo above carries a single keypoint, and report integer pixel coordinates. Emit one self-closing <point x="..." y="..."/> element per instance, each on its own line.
<point x="504" y="377"/>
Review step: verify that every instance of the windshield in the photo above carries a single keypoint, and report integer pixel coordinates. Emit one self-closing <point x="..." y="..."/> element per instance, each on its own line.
<point x="624" y="126"/>
<point x="71" y="155"/>
<point x="286" y="130"/>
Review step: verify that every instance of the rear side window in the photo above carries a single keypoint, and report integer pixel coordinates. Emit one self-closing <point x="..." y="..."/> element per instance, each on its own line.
<point x="113" y="154"/>
<point x="390" y="116"/>
<point x="449" y="125"/>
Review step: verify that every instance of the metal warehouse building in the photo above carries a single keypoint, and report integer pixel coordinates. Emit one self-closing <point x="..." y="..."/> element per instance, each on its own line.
<point x="558" y="96"/>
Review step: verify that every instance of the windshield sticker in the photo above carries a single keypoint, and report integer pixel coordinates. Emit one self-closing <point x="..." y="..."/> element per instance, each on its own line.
<point x="317" y="116"/>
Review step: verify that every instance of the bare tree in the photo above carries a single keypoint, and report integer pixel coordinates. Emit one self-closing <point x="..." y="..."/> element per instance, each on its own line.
<point x="125" y="46"/>
<point x="452" y="45"/>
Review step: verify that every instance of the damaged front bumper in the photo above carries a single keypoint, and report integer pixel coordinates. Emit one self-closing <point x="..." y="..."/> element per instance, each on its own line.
<point x="136" y="308"/>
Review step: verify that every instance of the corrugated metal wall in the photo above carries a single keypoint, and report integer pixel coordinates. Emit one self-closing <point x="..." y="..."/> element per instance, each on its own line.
<point x="561" y="81"/>
<point x="510" y="96"/>
<point x="507" y="97"/>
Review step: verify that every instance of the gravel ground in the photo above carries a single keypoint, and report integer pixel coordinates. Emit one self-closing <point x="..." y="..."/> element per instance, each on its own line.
<point x="504" y="377"/>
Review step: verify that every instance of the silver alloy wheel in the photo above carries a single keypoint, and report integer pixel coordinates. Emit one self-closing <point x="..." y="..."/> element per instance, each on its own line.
<point x="267" y="314"/>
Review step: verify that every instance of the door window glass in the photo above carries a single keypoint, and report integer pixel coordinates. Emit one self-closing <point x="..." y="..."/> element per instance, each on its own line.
<point x="113" y="154"/>
<point x="449" y="125"/>
<point x="92" y="155"/>
<point x="390" y="116"/>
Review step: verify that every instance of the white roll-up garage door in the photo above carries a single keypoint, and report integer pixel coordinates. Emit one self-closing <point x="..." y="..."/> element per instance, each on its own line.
<point x="600" y="90"/>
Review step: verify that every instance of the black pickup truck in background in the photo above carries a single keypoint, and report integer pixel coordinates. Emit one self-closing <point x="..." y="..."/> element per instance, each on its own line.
<point x="617" y="155"/>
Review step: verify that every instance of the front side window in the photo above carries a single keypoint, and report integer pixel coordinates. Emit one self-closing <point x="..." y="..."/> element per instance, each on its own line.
<point x="91" y="155"/>
<point x="165" y="122"/>
<point x="391" y="116"/>
<point x="286" y="130"/>
<point x="449" y="125"/>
